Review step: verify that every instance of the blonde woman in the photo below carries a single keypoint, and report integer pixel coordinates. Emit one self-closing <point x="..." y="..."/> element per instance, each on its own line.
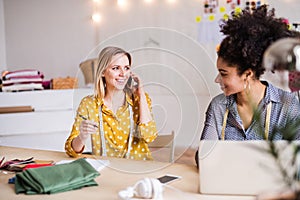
<point x="118" y="116"/>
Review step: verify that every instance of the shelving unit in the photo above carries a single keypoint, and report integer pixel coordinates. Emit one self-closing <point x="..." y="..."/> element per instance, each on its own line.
<point x="48" y="126"/>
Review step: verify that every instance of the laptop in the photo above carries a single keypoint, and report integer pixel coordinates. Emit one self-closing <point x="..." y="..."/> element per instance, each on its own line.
<point x="239" y="167"/>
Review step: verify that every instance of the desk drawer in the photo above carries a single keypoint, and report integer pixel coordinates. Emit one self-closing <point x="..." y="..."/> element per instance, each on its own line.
<point x="36" y="122"/>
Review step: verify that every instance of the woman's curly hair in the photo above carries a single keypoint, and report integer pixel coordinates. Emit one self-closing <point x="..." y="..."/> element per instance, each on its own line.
<point x="247" y="36"/>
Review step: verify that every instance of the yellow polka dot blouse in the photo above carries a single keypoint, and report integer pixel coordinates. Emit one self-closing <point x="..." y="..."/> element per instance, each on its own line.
<point x="116" y="129"/>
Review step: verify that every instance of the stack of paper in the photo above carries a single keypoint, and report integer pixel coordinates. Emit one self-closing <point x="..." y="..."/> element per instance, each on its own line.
<point x="98" y="165"/>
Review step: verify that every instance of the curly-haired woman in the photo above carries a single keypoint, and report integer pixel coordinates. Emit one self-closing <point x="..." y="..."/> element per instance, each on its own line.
<point x="231" y="115"/>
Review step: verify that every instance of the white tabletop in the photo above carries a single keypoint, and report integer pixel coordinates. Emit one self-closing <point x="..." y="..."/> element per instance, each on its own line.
<point x="119" y="175"/>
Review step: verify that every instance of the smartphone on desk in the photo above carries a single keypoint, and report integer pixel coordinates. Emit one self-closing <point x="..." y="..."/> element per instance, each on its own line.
<point x="168" y="178"/>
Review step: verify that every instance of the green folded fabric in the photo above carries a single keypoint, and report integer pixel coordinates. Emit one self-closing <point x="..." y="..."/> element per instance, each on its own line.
<point x="57" y="178"/>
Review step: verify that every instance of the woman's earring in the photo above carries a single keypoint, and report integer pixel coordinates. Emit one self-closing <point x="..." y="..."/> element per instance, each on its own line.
<point x="104" y="82"/>
<point x="247" y="86"/>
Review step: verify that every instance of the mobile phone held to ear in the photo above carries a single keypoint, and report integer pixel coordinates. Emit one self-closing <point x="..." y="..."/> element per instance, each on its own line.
<point x="168" y="178"/>
<point x="132" y="83"/>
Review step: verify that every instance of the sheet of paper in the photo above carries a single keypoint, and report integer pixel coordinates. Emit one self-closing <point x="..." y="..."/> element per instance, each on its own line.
<point x="97" y="164"/>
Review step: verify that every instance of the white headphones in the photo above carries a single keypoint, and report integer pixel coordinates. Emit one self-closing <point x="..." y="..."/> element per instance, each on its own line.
<point x="148" y="188"/>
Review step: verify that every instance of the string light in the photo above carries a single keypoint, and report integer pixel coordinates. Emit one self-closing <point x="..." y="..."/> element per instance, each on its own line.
<point x="96" y="17"/>
<point x="148" y="1"/>
<point x="121" y="2"/>
<point x="171" y="1"/>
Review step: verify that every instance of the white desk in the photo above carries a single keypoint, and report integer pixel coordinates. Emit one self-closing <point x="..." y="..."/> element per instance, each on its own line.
<point x="119" y="175"/>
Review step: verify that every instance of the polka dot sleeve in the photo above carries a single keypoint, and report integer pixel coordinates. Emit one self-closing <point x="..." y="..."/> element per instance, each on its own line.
<point x="148" y="130"/>
<point x="82" y="110"/>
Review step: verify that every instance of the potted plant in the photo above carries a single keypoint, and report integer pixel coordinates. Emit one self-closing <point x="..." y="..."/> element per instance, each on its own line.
<point x="285" y="55"/>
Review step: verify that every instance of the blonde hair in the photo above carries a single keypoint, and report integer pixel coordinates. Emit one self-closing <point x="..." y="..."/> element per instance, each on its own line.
<point x="104" y="59"/>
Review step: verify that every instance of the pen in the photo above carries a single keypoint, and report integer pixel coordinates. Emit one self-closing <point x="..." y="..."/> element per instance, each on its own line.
<point x="84" y="118"/>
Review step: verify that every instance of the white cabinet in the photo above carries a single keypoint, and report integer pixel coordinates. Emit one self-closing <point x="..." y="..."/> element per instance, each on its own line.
<point x="48" y="126"/>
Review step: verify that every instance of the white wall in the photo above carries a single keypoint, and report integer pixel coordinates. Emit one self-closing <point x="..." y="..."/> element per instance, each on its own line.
<point x="2" y="39"/>
<point x="55" y="36"/>
<point x="287" y="8"/>
<point x="52" y="36"/>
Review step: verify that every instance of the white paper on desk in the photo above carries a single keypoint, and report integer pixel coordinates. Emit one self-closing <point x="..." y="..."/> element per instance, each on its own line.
<point x="97" y="164"/>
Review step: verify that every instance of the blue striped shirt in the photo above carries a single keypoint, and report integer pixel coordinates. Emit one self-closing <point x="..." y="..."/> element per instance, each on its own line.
<point x="285" y="108"/>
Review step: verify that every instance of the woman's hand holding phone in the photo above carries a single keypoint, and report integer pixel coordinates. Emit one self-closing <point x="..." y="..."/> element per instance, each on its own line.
<point x="136" y="85"/>
<point x="145" y="115"/>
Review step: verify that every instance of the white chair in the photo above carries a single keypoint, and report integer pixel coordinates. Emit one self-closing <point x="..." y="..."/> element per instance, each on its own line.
<point x="163" y="145"/>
